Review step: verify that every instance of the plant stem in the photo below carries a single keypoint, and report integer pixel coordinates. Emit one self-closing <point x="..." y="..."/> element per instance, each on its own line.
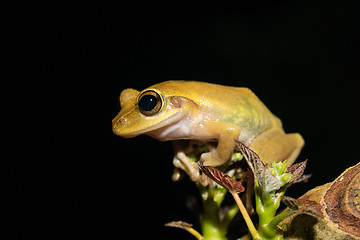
<point x="249" y="223"/>
<point x="195" y="233"/>
<point x="266" y="207"/>
<point x="278" y="218"/>
<point x="210" y="223"/>
<point x="229" y="217"/>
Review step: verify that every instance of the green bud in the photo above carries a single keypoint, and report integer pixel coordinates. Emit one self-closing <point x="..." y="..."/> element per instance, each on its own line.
<point x="278" y="170"/>
<point x="286" y="177"/>
<point x="236" y="157"/>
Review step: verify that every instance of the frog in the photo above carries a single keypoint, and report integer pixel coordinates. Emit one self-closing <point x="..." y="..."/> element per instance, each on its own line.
<point x="182" y="110"/>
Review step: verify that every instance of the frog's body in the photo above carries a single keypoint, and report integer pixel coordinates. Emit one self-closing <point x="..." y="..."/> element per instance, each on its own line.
<point x="174" y="110"/>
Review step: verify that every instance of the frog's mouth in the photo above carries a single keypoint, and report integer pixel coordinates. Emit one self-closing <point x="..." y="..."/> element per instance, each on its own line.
<point x="123" y="128"/>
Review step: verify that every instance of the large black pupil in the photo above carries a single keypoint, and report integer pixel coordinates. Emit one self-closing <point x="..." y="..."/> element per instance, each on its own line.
<point x="148" y="102"/>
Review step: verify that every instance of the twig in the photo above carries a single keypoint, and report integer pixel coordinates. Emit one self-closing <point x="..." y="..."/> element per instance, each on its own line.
<point x="187" y="227"/>
<point x="246" y="216"/>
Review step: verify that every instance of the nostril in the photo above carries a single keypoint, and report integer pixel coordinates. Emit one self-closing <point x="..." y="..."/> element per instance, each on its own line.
<point x="117" y="121"/>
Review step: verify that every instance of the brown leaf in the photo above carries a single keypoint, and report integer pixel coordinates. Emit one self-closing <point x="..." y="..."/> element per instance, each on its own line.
<point x="297" y="170"/>
<point x="253" y="160"/>
<point x="222" y="179"/>
<point x="303" y="206"/>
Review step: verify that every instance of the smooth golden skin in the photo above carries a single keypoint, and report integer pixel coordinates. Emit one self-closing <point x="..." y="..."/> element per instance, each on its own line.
<point x="206" y="112"/>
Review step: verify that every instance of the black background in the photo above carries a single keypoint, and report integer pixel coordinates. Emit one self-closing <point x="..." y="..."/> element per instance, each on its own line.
<point x="65" y="175"/>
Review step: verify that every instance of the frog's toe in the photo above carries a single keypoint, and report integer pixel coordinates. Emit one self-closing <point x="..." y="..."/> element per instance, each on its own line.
<point x="181" y="161"/>
<point x="177" y="175"/>
<point x="204" y="180"/>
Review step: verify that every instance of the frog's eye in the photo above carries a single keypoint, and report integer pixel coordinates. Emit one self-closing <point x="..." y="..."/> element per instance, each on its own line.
<point x="150" y="103"/>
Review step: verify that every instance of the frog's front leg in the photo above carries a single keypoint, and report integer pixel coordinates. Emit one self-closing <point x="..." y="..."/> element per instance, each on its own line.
<point x="225" y="133"/>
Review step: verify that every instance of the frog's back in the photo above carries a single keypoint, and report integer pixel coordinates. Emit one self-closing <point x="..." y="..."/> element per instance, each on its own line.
<point x="236" y="105"/>
<point x="203" y="92"/>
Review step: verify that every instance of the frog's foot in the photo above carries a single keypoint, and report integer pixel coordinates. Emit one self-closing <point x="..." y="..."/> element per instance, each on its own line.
<point x="191" y="168"/>
<point x="210" y="159"/>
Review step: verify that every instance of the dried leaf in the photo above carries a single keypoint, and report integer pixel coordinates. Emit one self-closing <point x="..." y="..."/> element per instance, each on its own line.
<point x="222" y="179"/>
<point x="304" y="178"/>
<point x="179" y="224"/>
<point x="290" y="202"/>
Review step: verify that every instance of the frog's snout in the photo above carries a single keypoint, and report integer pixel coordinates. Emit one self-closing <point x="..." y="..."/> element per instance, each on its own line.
<point x="116" y="124"/>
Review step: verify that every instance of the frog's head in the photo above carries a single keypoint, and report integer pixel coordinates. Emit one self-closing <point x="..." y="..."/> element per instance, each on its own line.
<point x="149" y="110"/>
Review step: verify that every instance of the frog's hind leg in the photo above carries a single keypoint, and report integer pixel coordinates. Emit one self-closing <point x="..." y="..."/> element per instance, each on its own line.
<point x="278" y="146"/>
<point x="181" y="161"/>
